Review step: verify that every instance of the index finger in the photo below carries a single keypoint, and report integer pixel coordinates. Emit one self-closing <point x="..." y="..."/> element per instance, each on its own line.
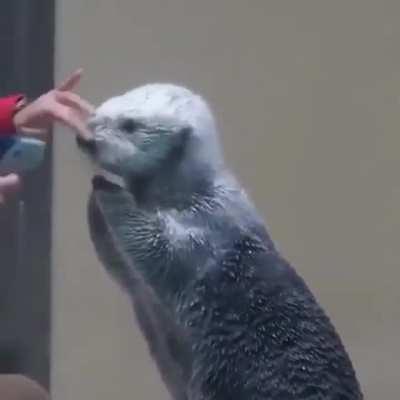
<point x="72" y="81"/>
<point x="74" y="101"/>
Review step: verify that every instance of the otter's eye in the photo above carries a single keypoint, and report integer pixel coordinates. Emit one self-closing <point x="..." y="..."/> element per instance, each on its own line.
<point x="129" y="126"/>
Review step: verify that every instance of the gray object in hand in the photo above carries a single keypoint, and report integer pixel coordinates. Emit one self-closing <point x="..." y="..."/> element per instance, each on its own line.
<point x="20" y="154"/>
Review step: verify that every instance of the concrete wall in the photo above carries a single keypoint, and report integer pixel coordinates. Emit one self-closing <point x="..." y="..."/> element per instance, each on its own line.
<point x="307" y="96"/>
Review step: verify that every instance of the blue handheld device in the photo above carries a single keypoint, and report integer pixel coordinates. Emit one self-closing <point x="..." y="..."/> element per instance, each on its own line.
<point x="20" y="154"/>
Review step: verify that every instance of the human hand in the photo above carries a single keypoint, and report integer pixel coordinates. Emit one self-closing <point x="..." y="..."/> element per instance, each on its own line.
<point x="8" y="184"/>
<point x="19" y="387"/>
<point x="58" y="105"/>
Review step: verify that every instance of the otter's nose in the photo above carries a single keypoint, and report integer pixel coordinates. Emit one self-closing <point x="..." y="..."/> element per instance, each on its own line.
<point x="88" y="145"/>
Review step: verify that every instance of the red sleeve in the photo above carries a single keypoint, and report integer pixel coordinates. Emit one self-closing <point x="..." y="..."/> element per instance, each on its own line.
<point x="7" y="111"/>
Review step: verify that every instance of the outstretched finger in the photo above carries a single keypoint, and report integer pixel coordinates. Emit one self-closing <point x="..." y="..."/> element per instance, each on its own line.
<point x="72" y="81"/>
<point x="74" y="101"/>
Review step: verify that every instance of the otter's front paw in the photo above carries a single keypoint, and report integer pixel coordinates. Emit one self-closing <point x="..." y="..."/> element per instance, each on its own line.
<point x="110" y="197"/>
<point x="101" y="183"/>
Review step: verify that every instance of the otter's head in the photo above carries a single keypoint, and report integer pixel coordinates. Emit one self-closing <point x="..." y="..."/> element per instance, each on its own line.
<point x="152" y="128"/>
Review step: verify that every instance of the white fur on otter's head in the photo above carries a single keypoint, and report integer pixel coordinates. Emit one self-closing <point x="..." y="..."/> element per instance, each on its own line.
<point x="155" y="131"/>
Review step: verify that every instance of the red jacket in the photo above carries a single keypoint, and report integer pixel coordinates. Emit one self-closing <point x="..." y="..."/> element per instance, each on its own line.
<point x="8" y="106"/>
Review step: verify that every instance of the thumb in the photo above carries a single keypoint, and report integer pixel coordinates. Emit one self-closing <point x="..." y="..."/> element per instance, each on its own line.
<point x="9" y="183"/>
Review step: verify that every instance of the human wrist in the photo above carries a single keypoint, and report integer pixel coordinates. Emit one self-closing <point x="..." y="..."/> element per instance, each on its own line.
<point x="19" y="106"/>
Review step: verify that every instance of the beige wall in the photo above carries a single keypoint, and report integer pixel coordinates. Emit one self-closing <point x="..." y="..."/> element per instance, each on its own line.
<point x="307" y="96"/>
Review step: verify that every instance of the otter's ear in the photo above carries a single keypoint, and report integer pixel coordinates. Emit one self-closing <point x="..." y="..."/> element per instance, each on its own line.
<point x="184" y="134"/>
<point x="181" y="136"/>
<point x="181" y="139"/>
